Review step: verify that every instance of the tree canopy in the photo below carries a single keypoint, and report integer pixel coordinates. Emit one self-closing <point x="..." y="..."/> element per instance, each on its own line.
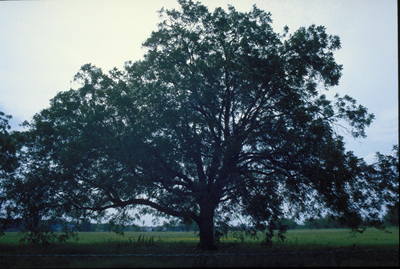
<point x="222" y="118"/>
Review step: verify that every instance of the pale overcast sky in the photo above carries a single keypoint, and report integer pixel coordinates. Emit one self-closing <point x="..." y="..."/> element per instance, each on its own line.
<point x="43" y="44"/>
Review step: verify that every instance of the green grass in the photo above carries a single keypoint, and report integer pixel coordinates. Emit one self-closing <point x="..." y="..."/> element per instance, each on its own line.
<point x="343" y="238"/>
<point x="323" y="240"/>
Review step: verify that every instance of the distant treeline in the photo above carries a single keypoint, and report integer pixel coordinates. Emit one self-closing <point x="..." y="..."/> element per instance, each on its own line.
<point x="321" y="223"/>
<point x="86" y="226"/>
<point x="178" y="226"/>
<point x="390" y="219"/>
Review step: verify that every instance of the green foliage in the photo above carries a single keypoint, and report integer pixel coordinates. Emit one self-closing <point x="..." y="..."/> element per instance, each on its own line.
<point x="44" y="233"/>
<point x="144" y="240"/>
<point x="290" y="223"/>
<point x="392" y="216"/>
<point x="387" y="171"/>
<point x="117" y="228"/>
<point x="10" y="144"/>
<point x="223" y="118"/>
<point x="323" y="223"/>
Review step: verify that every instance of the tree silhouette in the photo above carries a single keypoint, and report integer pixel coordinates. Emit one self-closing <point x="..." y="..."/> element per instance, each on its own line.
<point x="223" y="117"/>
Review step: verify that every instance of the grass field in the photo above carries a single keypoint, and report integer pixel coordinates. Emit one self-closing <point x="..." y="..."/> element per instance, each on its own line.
<point x="325" y="247"/>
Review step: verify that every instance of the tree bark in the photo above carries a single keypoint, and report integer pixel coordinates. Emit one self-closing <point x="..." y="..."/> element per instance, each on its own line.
<point x="206" y="227"/>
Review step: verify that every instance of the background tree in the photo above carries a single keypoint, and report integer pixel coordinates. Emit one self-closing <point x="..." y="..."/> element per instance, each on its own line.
<point x="223" y="118"/>
<point x="387" y="173"/>
<point x="10" y="143"/>
<point x="27" y="195"/>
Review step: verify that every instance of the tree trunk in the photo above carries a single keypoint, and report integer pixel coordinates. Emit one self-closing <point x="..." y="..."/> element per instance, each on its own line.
<point x="206" y="227"/>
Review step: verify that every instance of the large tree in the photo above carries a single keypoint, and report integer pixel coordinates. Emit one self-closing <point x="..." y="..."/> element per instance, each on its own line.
<point x="223" y="117"/>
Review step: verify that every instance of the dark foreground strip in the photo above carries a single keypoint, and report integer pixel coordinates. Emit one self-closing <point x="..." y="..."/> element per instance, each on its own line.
<point x="193" y="255"/>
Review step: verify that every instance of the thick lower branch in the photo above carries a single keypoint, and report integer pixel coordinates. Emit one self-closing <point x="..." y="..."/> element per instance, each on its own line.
<point x="154" y="205"/>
